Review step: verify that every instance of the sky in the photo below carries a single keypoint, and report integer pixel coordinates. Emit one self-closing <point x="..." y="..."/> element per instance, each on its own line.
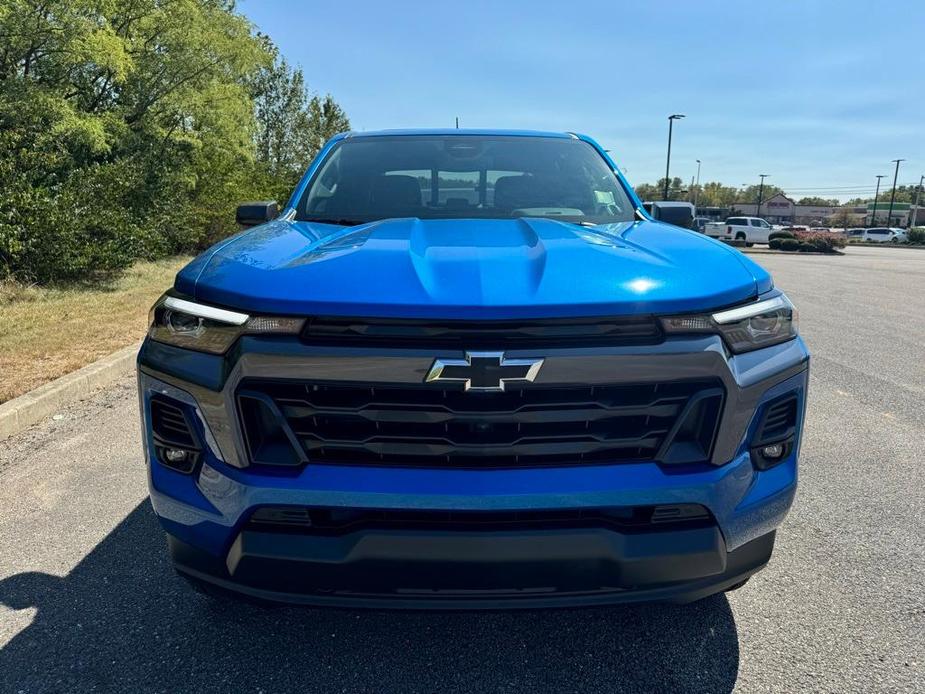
<point x="821" y="96"/>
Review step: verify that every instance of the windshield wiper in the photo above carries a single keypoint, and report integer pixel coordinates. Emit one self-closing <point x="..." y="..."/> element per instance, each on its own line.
<point x="339" y="222"/>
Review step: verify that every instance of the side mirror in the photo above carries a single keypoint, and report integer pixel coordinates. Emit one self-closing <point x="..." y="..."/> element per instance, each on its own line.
<point x="251" y="214"/>
<point x="680" y="214"/>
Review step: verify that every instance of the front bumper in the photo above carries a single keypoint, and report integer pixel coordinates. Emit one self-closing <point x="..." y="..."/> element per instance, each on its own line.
<point x="205" y="514"/>
<point x="460" y="570"/>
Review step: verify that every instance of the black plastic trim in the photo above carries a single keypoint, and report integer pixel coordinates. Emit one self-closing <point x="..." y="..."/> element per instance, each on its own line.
<point x="547" y="333"/>
<point x="677" y="567"/>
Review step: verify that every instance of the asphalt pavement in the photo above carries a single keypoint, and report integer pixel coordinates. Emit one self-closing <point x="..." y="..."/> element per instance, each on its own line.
<point x="88" y="601"/>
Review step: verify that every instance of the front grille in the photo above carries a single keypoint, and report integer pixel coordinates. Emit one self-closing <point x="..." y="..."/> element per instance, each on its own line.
<point x="423" y="425"/>
<point x="522" y="334"/>
<point x="337" y="521"/>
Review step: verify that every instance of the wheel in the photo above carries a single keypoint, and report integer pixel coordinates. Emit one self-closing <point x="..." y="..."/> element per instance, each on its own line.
<point x="748" y="245"/>
<point x="895" y="241"/>
<point x="740" y="236"/>
<point x="736" y="586"/>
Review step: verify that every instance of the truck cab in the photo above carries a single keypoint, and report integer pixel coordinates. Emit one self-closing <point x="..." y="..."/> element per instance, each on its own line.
<point x="751" y="230"/>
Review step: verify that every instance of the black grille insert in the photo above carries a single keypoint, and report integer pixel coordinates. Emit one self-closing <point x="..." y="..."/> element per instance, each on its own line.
<point x="336" y="521"/>
<point x="778" y="421"/>
<point x="171" y="426"/>
<point x="521" y="334"/>
<point x="423" y="425"/>
<point x="174" y="430"/>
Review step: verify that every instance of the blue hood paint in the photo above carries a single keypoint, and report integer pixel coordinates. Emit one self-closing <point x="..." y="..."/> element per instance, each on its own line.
<point x="467" y="268"/>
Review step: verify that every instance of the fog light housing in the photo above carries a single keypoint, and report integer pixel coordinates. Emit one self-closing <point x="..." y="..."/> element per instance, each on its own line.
<point x="773" y="452"/>
<point x="766" y="456"/>
<point x="175" y="455"/>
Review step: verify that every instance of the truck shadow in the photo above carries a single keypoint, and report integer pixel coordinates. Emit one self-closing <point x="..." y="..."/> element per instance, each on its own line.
<point x="122" y="620"/>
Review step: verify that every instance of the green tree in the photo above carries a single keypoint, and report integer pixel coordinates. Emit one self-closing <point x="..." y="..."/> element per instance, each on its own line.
<point x="129" y="129"/>
<point x="715" y="194"/>
<point x="819" y="202"/>
<point x="749" y="194"/>
<point x="676" y="190"/>
<point x="292" y="124"/>
<point x="843" y="217"/>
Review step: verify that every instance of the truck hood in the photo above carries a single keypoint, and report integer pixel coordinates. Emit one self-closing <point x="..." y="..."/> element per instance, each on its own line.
<point x="469" y="268"/>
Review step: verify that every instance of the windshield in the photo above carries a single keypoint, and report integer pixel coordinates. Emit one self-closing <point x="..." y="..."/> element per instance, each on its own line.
<point x="463" y="177"/>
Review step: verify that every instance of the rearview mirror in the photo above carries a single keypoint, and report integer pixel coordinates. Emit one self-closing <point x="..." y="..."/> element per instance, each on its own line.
<point x="251" y="214"/>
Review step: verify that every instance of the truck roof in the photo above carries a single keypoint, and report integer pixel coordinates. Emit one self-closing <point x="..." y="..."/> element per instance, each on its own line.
<point x="459" y="131"/>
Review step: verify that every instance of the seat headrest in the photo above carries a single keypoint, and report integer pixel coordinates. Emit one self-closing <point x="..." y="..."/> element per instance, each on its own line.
<point x="394" y="192"/>
<point x="512" y="192"/>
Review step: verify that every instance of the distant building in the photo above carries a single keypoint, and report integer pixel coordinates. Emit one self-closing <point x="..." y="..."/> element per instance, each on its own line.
<point x="902" y="213"/>
<point x="780" y="209"/>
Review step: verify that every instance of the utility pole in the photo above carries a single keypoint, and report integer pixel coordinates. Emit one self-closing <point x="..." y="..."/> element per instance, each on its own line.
<point x="457" y="122"/>
<point x="671" y="119"/>
<point x="873" y="215"/>
<point x="760" y="191"/>
<point x="889" y="216"/>
<point x="913" y="218"/>
<point x="697" y="189"/>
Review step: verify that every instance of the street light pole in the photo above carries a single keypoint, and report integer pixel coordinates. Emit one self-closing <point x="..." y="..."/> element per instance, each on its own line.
<point x="760" y="191"/>
<point x="697" y="189"/>
<point x="873" y="214"/>
<point x="889" y="216"/>
<point x="913" y="218"/>
<point x="671" y="119"/>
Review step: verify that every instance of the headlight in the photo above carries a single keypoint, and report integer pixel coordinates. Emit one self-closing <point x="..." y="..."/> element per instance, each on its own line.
<point x="205" y="328"/>
<point x="751" y="326"/>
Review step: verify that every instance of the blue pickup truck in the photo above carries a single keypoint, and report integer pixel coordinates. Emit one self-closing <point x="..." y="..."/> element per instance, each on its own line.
<point x="466" y="369"/>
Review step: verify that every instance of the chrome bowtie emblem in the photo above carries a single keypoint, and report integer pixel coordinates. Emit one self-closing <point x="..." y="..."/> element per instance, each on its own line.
<point x="486" y="371"/>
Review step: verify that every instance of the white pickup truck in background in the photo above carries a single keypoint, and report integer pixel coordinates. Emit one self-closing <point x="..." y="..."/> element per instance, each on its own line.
<point x="749" y="229"/>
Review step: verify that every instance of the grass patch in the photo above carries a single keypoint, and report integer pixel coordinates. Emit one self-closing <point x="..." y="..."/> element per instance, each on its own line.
<point x="46" y="332"/>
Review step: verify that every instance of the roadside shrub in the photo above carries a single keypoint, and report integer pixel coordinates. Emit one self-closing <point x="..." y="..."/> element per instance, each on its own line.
<point x="821" y="243"/>
<point x="916" y="235"/>
<point x="775" y="243"/>
<point x="781" y="235"/>
<point x="789" y="245"/>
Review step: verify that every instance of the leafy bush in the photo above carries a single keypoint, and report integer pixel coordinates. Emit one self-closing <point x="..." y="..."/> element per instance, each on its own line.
<point x="781" y="235"/>
<point x="789" y="245"/>
<point x="775" y="243"/>
<point x="820" y="242"/>
<point x="916" y="235"/>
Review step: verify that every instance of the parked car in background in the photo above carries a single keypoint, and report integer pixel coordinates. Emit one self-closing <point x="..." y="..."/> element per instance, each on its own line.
<point x="700" y="223"/>
<point x="884" y="235"/>
<point x="855" y="233"/>
<point x="752" y="230"/>
<point x="679" y="214"/>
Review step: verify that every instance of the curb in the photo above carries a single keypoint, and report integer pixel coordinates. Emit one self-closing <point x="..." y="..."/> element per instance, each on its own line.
<point x="907" y="246"/>
<point x="752" y="251"/>
<point x="34" y="406"/>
